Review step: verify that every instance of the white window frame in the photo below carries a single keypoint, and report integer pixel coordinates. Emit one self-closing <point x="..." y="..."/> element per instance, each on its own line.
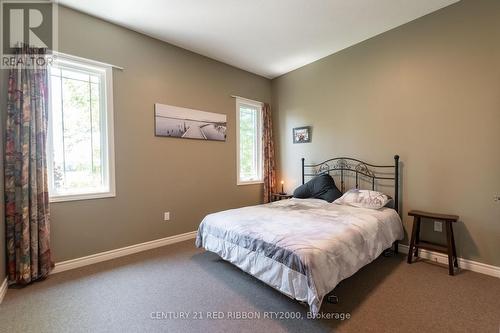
<point x="108" y="145"/>
<point x="242" y="101"/>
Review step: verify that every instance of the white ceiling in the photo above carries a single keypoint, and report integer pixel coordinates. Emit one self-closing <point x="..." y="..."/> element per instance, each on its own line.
<point x="266" y="37"/>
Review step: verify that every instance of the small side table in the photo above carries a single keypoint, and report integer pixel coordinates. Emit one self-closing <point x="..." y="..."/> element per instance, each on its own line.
<point x="280" y="196"/>
<point x="416" y="243"/>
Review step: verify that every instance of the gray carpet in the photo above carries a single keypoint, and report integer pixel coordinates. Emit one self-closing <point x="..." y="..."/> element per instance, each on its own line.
<point x="120" y="295"/>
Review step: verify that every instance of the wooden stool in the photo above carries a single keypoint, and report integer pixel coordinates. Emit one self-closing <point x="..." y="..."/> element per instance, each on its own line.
<point x="416" y="243"/>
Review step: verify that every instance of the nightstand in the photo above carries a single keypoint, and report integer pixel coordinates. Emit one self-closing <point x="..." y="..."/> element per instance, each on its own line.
<point x="280" y="196"/>
<point x="416" y="243"/>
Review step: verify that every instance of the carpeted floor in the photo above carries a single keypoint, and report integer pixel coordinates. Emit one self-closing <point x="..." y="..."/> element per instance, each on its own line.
<point x="124" y="294"/>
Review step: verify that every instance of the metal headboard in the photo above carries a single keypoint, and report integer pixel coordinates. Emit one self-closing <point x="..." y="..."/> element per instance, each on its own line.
<point x="351" y="166"/>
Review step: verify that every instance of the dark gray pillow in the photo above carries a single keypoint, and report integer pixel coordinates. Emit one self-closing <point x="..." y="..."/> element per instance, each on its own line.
<point x="320" y="187"/>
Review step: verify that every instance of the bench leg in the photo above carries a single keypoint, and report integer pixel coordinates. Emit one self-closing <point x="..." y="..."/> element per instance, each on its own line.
<point x="454" y="246"/>
<point x="412" y="240"/>
<point x="450" y="247"/>
<point x="417" y="238"/>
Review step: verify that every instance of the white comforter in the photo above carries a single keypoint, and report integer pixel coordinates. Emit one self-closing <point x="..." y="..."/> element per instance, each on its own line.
<point x="302" y="247"/>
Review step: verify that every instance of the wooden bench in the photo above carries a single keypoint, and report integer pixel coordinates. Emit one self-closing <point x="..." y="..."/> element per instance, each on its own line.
<point x="416" y="243"/>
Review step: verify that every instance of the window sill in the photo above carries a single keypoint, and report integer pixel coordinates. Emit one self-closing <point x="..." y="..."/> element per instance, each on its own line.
<point x="250" y="182"/>
<point x="78" y="197"/>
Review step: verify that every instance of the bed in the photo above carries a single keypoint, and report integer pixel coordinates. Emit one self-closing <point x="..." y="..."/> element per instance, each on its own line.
<point x="305" y="247"/>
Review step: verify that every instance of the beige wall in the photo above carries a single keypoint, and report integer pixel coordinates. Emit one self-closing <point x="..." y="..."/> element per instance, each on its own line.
<point x="189" y="178"/>
<point x="429" y="91"/>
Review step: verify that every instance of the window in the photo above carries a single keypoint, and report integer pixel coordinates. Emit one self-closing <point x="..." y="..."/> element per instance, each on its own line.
<point x="249" y="141"/>
<point x="80" y="154"/>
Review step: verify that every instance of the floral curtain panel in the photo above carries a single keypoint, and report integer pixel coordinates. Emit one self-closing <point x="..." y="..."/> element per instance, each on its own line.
<point x="268" y="146"/>
<point x="26" y="193"/>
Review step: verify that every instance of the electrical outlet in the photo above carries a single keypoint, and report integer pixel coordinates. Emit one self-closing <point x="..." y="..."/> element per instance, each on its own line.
<point x="166" y="216"/>
<point x="496" y="198"/>
<point x="438" y="226"/>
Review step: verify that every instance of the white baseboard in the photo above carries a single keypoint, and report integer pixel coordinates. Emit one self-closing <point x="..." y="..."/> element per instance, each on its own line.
<point x="462" y="263"/>
<point x="117" y="253"/>
<point x="3" y="290"/>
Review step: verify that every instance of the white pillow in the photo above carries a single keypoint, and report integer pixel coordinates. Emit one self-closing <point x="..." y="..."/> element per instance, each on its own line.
<point x="364" y="199"/>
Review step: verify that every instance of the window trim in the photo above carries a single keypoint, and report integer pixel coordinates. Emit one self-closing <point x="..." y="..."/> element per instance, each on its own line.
<point x="243" y="101"/>
<point x="108" y="144"/>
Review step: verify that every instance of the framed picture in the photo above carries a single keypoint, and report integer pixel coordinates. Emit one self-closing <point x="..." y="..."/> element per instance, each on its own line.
<point x="178" y="122"/>
<point x="302" y="134"/>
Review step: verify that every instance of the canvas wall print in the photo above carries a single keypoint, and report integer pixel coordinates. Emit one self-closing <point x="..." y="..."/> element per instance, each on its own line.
<point x="179" y="122"/>
<point x="302" y="134"/>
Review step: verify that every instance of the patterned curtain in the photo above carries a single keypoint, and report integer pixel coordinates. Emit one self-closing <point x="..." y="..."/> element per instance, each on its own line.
<point x="269" y="163"/>
<point x="26" y="194"/>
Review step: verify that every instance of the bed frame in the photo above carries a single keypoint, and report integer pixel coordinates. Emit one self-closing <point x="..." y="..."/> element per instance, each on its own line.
<point x="361" y="172"/>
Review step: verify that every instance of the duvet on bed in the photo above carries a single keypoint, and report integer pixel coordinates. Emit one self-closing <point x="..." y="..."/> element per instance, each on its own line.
<point x="301" y="247"/>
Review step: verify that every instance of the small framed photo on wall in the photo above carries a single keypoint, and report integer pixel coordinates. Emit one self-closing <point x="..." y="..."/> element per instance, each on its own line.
<point x="302" y="134"/>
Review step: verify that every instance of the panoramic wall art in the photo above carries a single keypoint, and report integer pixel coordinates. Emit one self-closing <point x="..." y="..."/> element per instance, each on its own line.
<point x="179" y="122"/>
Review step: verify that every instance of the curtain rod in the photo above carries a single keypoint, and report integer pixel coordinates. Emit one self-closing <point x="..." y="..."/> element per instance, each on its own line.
<point x="88" y="60"/>
<point x="247" y="99"/>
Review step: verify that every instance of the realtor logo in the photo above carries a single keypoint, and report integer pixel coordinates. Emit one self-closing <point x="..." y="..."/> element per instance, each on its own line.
<point x="27" y="24"/>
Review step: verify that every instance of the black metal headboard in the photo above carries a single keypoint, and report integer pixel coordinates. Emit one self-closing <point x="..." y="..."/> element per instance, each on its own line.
<point x="359" y="169"/>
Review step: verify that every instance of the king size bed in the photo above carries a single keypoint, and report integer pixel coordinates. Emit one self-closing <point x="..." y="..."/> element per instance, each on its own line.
<point x="304" y="247"/>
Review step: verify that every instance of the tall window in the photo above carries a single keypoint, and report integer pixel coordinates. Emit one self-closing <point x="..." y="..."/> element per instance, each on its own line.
<point x="80" y="134"/>
<point x="249" y="141"/>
